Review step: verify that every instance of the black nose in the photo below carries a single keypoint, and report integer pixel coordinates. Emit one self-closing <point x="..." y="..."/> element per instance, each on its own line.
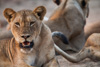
<point x="25" y="37"/>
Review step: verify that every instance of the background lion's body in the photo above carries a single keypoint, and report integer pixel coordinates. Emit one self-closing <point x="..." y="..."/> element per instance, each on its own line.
<point x="71" y="22"/>
<point x="91" y="28"/>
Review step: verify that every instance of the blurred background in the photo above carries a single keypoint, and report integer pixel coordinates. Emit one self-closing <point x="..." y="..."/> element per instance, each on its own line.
<point x="26" y="4"/>
<point x="50" y="6"/>
<point x="94" y="16"/>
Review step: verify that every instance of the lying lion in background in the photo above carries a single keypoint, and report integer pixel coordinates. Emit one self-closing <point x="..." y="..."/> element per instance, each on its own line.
<point x="91" y="50"/>
<point x="69" y="18"/>
<point x="91" y="28"/>
<point x="32" y="44"/>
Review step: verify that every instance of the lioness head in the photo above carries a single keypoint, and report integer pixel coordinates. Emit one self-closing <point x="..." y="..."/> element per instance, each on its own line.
<point x="83" y="4"/>
<point x="25" y="25"/>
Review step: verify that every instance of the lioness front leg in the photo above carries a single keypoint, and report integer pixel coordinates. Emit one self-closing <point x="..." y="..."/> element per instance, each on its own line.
<point x="52" y="63"/>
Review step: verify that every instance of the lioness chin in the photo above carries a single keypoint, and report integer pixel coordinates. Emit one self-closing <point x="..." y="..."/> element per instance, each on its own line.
<point x="32" y="44"/>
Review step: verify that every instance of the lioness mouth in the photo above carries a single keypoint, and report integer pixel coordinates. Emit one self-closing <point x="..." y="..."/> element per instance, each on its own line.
<point x="26" y="44"/>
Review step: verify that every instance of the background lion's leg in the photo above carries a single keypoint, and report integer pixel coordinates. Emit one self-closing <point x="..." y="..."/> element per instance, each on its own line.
<point x="70" y="47"/>
<point x="84" y="53"/>
<point x="63" y="46"/>
<point x="52" y="63"/>
<point x="75" y="44"/>
<point x="97" y="56"/>
<point x="78" y="42"/>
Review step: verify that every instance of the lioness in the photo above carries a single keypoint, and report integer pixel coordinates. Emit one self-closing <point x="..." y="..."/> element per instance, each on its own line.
<point x="69" y="18"/>
<point x="32" y="44"/>
<point x="91" y="50"/>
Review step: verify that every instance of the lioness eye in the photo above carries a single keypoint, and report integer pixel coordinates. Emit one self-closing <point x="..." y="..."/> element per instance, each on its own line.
<point x="17" y="24"/>
<point x="32" y="23"/>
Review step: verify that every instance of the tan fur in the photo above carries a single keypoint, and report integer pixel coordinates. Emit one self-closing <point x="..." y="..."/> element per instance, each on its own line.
<point x="91" y="28"/>
<point x="69" y="18"/>
<point x="91" y="50"/>
<point x="27" y="23"/>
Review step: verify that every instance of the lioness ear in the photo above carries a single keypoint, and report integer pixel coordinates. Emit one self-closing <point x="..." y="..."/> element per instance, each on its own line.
<point x="8" y="14"/>
<point x="57" y="1"/>
<point x="85" y="6"/>
<point x="40" y="12"/>
<point x="84" y="3"/>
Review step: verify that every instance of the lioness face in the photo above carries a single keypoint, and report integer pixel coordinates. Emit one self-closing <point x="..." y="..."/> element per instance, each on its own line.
<point x="25" y="25"/>
<point x="25" y="28"/>
<point x="82" y="3"/>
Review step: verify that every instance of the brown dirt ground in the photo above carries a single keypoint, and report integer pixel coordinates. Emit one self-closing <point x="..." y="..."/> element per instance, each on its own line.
<point x="31" y="4"/>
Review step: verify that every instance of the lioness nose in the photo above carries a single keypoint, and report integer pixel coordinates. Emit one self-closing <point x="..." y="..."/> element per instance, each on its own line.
<point x="25" y="37"/>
